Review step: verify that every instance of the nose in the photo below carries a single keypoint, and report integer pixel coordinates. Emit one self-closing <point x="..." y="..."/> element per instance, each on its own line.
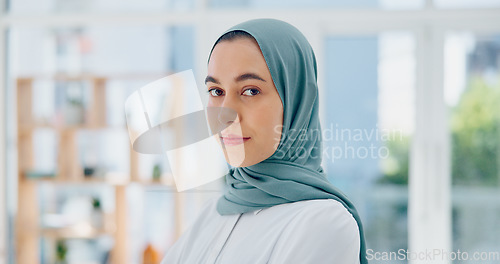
<point x="227" y="116"/>
<point x="228" y="113"/>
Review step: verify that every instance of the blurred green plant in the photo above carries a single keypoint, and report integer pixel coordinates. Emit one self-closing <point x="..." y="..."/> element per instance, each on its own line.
<point x="96" y="203"/>
<point x="475" y="140"/>
<point x="157" y="172"/>
<point x="475" y="128"/>
<point x="395" y="167"/>
<point x="61" y="251"/>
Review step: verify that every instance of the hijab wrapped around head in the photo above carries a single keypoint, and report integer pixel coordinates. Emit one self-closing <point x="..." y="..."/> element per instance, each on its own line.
<point x="293" y="173"/>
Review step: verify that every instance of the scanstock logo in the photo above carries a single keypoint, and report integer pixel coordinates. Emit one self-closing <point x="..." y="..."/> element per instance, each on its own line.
<point x="167" y="116"/>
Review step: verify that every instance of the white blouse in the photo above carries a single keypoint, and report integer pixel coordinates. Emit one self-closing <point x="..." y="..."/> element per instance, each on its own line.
<point x="311" y="231"/>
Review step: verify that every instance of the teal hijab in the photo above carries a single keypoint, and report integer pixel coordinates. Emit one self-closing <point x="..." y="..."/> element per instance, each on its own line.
<point x="293" y="173"/>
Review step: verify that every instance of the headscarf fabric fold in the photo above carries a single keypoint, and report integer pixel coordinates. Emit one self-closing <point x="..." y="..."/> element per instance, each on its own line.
<point x="293" y="173"/>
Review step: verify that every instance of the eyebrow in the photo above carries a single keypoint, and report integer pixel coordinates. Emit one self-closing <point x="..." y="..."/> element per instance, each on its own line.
<point x="243" y="77"/>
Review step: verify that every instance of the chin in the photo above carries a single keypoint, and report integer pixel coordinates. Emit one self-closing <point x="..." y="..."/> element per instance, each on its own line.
<point x="245" y="163"/>
<point x="236" y="163"/>
<point x="240" y="161"/>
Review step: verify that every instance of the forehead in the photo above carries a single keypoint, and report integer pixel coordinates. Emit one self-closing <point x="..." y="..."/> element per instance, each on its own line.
<point x="237" y="55"/>
<point x="240" y="42"/>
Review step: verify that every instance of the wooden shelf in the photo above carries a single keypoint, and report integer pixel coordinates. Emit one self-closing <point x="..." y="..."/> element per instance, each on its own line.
<point x="164" y="183"/>
<point x="31" y="127"/>
<point x="70" y="172"/>
<point x="76" y="232"/>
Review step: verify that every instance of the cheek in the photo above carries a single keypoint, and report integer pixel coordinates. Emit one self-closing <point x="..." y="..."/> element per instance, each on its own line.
<point x="269" y="123"/>
<point x="213" y="101"/>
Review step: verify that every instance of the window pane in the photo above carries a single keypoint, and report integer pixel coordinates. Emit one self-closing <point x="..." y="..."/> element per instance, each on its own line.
<point x="472" y="92"/>
<point x="467" y="3"/>
<point x="383" y="4"/>
<point x="101" y="50"/>
<point x="101" y="6"/>
<point x="370" y="110"/>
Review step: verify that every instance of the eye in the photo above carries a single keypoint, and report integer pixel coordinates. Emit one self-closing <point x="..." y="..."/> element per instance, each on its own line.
<point x="251" y="92"/>
<point x="215" y="92"/>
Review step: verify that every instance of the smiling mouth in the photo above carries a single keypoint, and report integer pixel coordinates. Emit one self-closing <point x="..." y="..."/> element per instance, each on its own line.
<point x="232" y="140"/>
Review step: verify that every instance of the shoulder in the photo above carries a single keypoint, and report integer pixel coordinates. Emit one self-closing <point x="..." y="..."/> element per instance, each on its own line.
<point x="323" y="221"/>
<point x="321" y="231"/>
<point x="210" y="204"/>
<point x="208" y="210"/>
<point x="194" y="232"/>
<point x="327" y="214"/>
<point x="321" y="205"/>
<point x="205" y="215"/>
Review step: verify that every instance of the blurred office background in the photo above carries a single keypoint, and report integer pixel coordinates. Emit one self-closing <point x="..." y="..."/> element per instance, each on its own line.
<point x="409" y="97"/>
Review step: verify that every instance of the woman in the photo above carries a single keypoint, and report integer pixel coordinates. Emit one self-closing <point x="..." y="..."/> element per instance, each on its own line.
<point x="278" y="206"/>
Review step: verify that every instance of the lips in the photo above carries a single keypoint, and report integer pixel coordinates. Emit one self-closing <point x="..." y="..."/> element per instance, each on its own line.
<point x="232" y="139"/>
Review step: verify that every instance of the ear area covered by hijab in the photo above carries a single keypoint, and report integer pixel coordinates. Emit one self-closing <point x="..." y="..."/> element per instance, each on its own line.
<point x="293" y="173"/>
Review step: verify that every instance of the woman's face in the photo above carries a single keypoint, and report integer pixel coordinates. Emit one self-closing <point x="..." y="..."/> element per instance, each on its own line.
<point x="238" y="78"/>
